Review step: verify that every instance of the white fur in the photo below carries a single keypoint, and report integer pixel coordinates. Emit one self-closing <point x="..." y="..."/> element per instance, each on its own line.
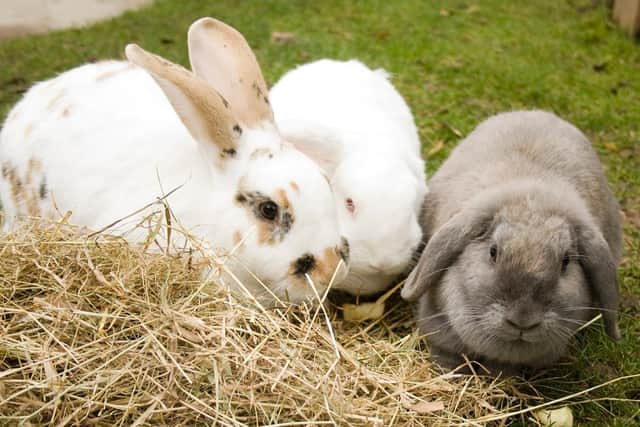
<point x="121" y="146"/>
<point x="355" y="124"/>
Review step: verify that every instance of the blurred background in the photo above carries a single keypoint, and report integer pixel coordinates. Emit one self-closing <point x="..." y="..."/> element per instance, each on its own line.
<point x="21" y="17"/>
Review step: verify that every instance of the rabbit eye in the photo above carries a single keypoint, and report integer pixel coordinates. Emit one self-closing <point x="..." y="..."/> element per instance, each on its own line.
<point x="351" y="207"/>
<point x="268" y="210"/>
<point x="565" y="262"/>
<point x="493" y="252"/>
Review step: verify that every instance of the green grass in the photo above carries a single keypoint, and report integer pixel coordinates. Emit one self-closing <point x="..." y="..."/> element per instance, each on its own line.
<point x="456" y="62"/>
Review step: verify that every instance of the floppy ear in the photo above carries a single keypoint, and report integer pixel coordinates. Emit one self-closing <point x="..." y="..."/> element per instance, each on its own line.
<point x="203" y="111"/>
<point x="222" y="57"/>
<point x="313" y="140"/>
<point x="601" y="271"/>
<point x="445" y="246"/>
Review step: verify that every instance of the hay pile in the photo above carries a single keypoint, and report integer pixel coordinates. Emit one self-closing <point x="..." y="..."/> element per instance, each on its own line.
<point x="96" y="332"/>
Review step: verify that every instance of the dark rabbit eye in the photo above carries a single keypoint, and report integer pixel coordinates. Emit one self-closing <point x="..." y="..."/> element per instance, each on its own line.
<point x="268" y="210"/>
<point x="565" y="262"/>
<point x="493" y="252"/>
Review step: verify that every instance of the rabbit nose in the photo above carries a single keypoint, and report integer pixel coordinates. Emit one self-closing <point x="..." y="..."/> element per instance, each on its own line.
<point x="523" y="324"/>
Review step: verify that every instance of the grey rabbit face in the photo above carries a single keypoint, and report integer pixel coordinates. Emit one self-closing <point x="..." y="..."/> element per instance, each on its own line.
<point x="523" y="241"/>
<point x="511" y="277"/>
<point x="517" y="293"/>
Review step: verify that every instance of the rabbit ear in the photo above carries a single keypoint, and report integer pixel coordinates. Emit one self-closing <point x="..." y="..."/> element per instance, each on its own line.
<point x="221" y="56"/>
<point x="203" y="111"/>
<point x="599" y="267"/>
<point x="445" y="246"/>
<point x="313" y="140"/>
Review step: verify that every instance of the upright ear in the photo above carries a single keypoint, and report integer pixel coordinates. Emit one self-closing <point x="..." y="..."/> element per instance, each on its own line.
<point x="204" y="112"/>
<point x="221" y="56"/>
<point x="315" y="141"/>
<point x="601" y="271"/>
<point x="445" y="246"/>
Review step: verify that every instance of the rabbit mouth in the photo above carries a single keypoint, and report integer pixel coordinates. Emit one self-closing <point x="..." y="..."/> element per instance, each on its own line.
<point x="524" y="338"/>
<point x="536" y="350"/>
<point x="529" y="342"/>
<point x="525" y="341"/>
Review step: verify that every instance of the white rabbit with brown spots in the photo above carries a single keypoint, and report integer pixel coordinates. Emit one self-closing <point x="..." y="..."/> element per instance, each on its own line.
<point x="105" y="139"/>
<point x="354" y="123"/>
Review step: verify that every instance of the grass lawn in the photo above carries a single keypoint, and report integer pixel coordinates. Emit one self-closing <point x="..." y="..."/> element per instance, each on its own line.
<point x="456" y="62"/>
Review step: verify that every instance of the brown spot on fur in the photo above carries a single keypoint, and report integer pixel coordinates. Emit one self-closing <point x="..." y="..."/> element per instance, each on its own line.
<point x="284" y="200"/>
<point x="24" y="196"/>
<point x="209" y="24"/>
<point x="28" y="129"/>
<point x="15" y="184"/>
<point x="54" y="101"/>
<point x="294" y="186"/>
<point x="31" y="202"/>
<point x="259" y="152"/>
<point x="326" y="265"/>
<point x="66" y="111"/>
<point x="34" y="165"/>
<point x="264" y="234"/>
<point x="237" y="237"/>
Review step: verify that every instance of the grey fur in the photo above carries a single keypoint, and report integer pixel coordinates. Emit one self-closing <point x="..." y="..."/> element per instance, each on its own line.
<point x="530" y="184"/>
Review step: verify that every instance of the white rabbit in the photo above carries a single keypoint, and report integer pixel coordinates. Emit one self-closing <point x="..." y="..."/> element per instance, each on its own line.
<point x="355" y="124"/>
<point x="105" y="139"/>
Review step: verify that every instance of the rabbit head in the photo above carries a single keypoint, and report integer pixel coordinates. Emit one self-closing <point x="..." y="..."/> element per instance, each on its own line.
<point x="513" y="275"/>
<point x="280" y="219"/>
<point x="379" y="218"/>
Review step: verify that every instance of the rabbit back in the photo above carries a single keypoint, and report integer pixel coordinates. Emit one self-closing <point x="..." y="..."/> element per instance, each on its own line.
<point x="99" y="140"/>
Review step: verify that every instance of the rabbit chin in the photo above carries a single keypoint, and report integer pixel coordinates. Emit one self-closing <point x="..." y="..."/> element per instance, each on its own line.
<point x="537" y="349"/>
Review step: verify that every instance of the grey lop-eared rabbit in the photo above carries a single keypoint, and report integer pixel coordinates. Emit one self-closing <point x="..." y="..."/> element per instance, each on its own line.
<point x="523" y="242"/>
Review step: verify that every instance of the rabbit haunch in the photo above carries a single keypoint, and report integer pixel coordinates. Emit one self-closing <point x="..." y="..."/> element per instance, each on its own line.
<point x="113" y="136"/>
<point x="523" y="240"/>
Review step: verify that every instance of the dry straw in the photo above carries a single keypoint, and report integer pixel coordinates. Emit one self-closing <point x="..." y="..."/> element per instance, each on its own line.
<point x="94" y="331"/>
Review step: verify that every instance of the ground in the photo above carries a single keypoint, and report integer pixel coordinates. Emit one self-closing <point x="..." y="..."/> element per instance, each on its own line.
<point x="456" y="63"/>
